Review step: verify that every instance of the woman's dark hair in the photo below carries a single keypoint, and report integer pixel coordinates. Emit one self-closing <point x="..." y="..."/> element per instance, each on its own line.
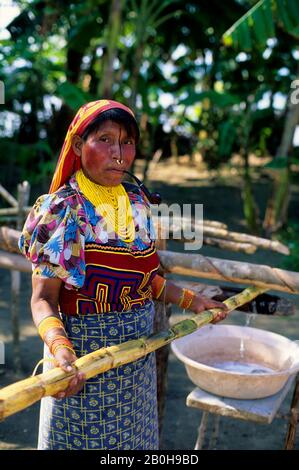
<point x="117" y="115"/>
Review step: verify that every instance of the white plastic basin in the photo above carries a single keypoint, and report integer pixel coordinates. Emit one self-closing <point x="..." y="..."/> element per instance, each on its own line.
<point x="260" y="361"/>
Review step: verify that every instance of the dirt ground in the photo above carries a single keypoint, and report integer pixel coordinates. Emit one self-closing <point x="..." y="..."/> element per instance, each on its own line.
<point x="220" y="194"/>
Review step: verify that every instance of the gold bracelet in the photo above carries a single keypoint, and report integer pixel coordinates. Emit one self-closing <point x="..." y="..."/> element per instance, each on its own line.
<point x="59" y="346"/>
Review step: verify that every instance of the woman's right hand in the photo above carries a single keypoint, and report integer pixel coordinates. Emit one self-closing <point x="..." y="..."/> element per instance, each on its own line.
<point x="65" y="359"/>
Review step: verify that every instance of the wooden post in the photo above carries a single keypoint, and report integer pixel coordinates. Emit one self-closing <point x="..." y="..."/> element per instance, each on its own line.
<point x="294" y="419"/>
<point x="23" y="199"/>
<point x="161" y="322"/>
<point x="15" y="305"/>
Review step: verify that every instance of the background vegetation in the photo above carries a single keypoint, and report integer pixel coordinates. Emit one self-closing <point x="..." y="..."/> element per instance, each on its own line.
<point x="213" y="78"/>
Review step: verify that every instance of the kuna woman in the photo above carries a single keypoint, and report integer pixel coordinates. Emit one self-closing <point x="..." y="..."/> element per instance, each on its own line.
<point x="94" y="276"/>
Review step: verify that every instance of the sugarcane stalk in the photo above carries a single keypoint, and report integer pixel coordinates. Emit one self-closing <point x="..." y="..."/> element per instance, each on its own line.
<point x="20" y="395"/>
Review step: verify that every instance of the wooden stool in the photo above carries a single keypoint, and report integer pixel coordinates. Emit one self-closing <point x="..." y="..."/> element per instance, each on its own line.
<point x="261" y="410"/>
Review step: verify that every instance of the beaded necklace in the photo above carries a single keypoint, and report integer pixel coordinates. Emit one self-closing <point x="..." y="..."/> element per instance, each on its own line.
<point x="113" y="203"/>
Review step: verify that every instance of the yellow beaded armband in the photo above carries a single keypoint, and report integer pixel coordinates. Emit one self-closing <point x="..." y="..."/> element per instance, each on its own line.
<point x="47" y="324"/>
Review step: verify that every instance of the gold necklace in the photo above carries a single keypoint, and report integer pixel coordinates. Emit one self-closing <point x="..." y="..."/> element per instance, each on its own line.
<point x="113" y="203"/>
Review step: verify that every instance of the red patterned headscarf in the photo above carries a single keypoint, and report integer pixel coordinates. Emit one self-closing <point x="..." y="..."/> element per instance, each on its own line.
<point x="68" y="163"/>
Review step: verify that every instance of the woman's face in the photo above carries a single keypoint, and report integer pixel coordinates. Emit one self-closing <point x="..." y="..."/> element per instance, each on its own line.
<point x="106" y="153"/>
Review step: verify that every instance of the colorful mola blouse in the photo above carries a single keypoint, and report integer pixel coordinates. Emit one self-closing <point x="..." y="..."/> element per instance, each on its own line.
<point x="65" y="237"/>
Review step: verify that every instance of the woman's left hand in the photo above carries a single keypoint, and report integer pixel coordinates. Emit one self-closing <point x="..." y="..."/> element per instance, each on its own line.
<point x="201" y="303"/>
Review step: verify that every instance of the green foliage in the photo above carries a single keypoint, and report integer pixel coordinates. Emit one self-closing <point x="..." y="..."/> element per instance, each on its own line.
<point x="221" y="100"/>
<point x="56" y="60"/>
<point x="290" y="236"/>
<point x="227" y="138"/>
<point x="258" y="24"/>
<point x="277" y="163"/>
<point x="72" y="95"/>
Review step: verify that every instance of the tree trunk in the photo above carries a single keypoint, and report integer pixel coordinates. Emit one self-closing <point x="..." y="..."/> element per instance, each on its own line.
<point x="135" y="72"/>
<point x="277" y="208"/>
<point x="250" y="208"/>
<point x="161" y="322"/>
<point x="114" y="28"/>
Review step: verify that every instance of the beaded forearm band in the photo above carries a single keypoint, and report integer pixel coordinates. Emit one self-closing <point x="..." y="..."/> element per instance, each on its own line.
<point x="186" y="298"/>
<point x="158" y="285"/>
<point x="60" y="342"/>
<point x="54" y="341"/>
<point x="48" y="324"/>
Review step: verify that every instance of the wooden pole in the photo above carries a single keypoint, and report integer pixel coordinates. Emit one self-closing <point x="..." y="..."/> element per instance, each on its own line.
<point x="161" y="322"/>
<point x="230" y="271"/>
<point x="230" y="245"/>
<point x="186" y="264"/>
<point x="294" y="418"/>
<point x="23" y="200"/>
<point x="15" y="305"/>
<point x="20" y="395"/>
<point x="177" y="225"/>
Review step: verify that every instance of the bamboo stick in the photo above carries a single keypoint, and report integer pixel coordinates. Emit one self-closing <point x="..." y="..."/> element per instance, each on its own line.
<point x="263" y="243"/>
<point x="247" y="248"/>
<point x="218" y="242"/>
<point x="24" y="393"/>
<point x="9" y="211"/>
<point x="230" y="271"/>
<point x="175" y="226"/>
<point x="266" y="304"/>
<point x="214" y="223"/>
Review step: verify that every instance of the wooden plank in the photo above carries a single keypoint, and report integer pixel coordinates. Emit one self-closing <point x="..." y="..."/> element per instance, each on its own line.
<point x="262" y="410"/>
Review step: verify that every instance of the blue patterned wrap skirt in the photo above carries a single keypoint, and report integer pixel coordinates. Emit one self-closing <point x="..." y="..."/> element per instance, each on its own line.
<point x="116" y="409"/>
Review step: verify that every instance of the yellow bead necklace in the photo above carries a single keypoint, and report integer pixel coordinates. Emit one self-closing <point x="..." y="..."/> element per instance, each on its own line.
<point x="113" y="203"/>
